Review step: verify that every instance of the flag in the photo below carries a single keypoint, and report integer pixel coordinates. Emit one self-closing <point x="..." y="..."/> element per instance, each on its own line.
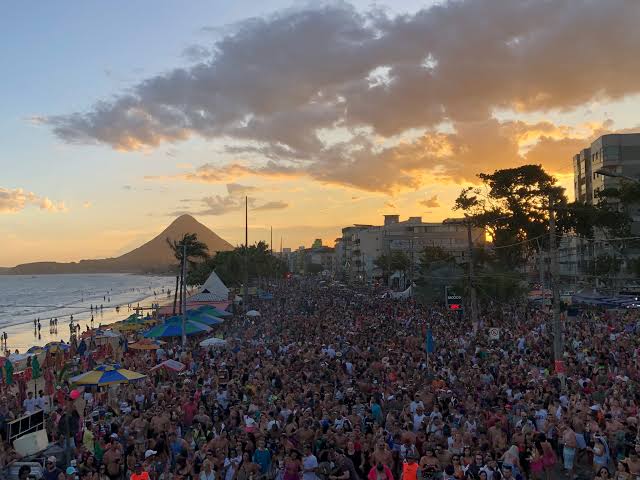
<point x="430" y="345"/>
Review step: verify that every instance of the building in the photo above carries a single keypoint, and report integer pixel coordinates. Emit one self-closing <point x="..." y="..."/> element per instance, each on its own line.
<point x="619" y="155"/>
<point x="361" y="245"/>
<point x="318" y="258"/>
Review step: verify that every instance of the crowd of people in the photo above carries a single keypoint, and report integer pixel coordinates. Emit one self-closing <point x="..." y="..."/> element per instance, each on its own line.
<point x="334" y="383"/>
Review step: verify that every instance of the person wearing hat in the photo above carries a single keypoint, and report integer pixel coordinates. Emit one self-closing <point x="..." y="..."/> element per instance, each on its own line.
<point x="51" y="470"/>
<point x="71" y="473"/>
<point x="149" y="460"/>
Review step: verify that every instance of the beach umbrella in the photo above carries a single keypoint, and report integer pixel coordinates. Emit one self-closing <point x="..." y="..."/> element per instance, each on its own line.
<point x="54" y="347"/>
<point x="213" y="342"/>
<point x="215" y="311"/>
<point x="146" y="344"/>
<point x="253" y="313"/>
<point x="205" y="319"/>
<point x="35" y="349"/>
<point x="107" y="374"/>
<point x="174" y="329"/>
<point x="170" y="364"/>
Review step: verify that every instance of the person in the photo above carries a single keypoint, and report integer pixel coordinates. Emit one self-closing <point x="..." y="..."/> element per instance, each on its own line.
<point x="411" y="470"/>
<point x="30" y="403"/>
<point x="207" y="472"/>
<point x="139" y="473"/>
<point x="380" y="472"/>
<point x="309" y="464"/>
<point x="569" y="449"/>
<point x="24" y="472"/>
<point x="51" y="470"/>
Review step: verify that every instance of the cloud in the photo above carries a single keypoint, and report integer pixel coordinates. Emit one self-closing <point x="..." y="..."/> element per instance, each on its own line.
<point x="216" y="205"/>
<point x="237" y="189"/>
<point x="390" y="204"/>
<point x="315" y="91"/>
<point x="431" y="202"/>
<point x="275" y="205"/>
<point x="15" y="200"/>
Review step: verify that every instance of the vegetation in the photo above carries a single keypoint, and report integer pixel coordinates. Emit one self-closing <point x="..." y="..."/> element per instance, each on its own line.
<point x="229" y="266"/>
<point x="192" y="249"/>
<point x="395" y="262"/>
<point x="513" y="206"/>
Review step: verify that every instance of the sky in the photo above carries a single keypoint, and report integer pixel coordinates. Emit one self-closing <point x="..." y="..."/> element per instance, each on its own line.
<point x="116" y="117"/>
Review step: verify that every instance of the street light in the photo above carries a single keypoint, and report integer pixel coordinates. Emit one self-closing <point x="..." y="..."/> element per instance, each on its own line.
<point x="608" y="173"/>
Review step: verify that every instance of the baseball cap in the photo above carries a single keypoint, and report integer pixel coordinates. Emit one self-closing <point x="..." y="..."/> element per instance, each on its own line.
<point x="71" y="470"/>
<point x="149" y="453"/>
<point x="52" y="459"/>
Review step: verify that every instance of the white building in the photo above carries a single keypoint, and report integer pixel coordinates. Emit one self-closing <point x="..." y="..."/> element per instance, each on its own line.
<point x="360" y="245"/>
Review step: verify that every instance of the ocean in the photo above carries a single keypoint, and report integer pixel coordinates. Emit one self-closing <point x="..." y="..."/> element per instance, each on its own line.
<point x="24" y="298"/>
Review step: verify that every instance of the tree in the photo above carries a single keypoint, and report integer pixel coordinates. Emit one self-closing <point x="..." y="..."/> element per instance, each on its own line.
<point x="513" y="206"/>
<point x="191" y="248"/>
<point x="396" y="262"/>
<point x="229" y="266"/>
<point x="437" y="269"/>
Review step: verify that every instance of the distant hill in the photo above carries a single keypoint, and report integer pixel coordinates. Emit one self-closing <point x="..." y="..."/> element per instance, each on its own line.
<point x="155" y="256"/>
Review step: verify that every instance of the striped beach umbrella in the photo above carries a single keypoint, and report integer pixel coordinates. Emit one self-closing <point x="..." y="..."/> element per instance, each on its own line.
<point x="107" y="374"/>
<point x="54" y="347"/>
<point x="204" y="318"/>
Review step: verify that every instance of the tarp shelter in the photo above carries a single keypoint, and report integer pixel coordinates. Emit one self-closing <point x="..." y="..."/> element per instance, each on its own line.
<point x="213" y="290"/>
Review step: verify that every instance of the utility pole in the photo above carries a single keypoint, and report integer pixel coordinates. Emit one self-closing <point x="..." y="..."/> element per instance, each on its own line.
<point x="558" y="347"/>
<point x="245" y="289"/>
<point x="541" y="268"/>
<point x="271" y="241"/>
<point x="472" y="287"/>
<point x="183" y="294"/>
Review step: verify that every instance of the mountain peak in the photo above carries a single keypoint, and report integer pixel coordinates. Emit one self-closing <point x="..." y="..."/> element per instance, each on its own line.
<point x="153" y="256"/>
<point x="184" y="219"/>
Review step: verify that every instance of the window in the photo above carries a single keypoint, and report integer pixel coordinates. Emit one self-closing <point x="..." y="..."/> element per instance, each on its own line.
<point x="611" y="153"/>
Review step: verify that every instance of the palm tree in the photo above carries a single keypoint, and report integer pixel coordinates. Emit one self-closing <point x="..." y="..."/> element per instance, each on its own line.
<point x="194" y="249"/>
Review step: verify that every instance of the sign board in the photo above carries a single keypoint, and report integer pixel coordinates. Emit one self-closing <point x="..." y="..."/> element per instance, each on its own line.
<point x="494" y="334"/>
<point x="454" y="302"/>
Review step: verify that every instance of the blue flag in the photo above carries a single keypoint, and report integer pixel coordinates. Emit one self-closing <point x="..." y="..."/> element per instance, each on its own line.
<point x="430" y="345"/>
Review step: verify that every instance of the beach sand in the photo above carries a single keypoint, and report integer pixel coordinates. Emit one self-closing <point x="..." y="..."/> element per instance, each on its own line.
<point x="22" y="337"/>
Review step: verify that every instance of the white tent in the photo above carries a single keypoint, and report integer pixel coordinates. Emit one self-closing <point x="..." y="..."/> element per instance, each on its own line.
<point x="213" y="290"/>
<point x="408" y="293"/>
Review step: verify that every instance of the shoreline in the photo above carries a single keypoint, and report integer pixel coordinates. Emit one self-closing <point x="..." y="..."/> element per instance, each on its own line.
<point x="22" y="336"/>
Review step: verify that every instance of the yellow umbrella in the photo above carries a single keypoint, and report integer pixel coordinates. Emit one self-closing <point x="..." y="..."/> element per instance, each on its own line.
<point x="107" y="375"/>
